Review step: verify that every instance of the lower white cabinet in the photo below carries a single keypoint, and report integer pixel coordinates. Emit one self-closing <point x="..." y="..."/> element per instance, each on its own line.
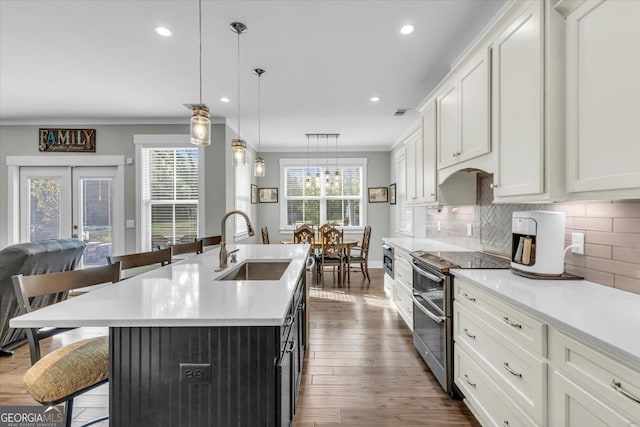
<point x="508" y="381"/>
<point x="573" y="405"/>
<point x="404" y="304"/>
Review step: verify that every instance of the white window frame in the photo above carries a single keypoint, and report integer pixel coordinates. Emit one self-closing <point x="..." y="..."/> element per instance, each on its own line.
<point x="322" y="163"/>
<point x="164" y="141"/>
<point x="242" y="193"/>
<point x="14" y="163"/>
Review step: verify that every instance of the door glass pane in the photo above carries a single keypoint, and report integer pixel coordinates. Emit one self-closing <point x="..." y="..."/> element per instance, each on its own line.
<point x="97" y="219"/>
<point x="44" y="208"/>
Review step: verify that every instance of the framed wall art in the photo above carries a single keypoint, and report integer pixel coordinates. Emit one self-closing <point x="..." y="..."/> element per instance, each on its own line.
<point x="392" y="194"/>
<point x="268" y="195"/>
<point x="378" y="194"/>
<point x="254" y="194"/>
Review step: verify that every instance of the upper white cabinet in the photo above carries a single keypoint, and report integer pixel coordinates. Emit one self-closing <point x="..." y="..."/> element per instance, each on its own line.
<point x="463" y="113"/>
<point x="528" y="105"/>
<point x="518" y="102"/>
<point x="429" y="169"/>
<point x="603" y="99"/>
<point x="413" y="162"/>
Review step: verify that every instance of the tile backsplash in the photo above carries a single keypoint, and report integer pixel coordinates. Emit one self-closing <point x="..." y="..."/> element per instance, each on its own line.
<point x="612" y="233"/>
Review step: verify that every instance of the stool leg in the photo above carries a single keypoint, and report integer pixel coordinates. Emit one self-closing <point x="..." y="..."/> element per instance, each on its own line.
<point x="69" y="409"/>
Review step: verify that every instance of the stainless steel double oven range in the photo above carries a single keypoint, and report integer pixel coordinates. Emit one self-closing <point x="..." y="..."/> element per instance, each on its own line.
<point x="433" y="307"/>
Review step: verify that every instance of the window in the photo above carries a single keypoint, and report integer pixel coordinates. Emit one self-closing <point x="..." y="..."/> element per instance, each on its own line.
<point x="169" y="193"/>
<point x="243" y="195"/>
<point x="315" y="195"/>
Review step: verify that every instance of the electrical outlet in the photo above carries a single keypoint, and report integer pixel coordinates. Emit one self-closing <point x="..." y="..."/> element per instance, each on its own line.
<point x="130" y="223"/>
<point x="469" y="230"/>
<point x="438" y="225"/>
<point x="577" y="239"/>
<point x="195" y="373"/>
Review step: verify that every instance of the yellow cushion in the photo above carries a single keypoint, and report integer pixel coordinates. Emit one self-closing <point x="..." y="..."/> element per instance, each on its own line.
<point x="68" y="370"/>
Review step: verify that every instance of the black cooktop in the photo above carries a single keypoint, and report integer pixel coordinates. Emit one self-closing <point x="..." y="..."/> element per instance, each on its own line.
<point x="443" y="261"/>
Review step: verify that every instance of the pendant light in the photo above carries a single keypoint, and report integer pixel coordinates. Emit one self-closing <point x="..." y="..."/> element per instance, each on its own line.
<point x="308" y="179"/>
<point x="317" y="161"/>
<point x="336" y="174"/>
<point x="327" y="174"/>
<point x="200" y="125"/>
<point x="258" y="167"/>
<point x="239" y="146"/>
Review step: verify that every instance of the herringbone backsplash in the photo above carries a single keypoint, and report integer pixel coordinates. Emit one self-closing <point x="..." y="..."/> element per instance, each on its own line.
<point x="612" y="233"/>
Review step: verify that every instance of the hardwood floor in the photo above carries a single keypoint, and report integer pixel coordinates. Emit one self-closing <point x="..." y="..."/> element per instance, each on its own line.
<point x="361" y="368"/>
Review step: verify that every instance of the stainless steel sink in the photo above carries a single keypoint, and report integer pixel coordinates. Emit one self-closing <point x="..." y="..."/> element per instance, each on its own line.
<point x="257" y="270"/>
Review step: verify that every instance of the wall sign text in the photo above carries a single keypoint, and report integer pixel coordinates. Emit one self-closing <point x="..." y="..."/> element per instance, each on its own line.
<point x="68" y="140"/>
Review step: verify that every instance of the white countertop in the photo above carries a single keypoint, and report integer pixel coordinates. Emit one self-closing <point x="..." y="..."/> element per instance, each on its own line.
<point x="410" y="244"/>
<point x="607" y="318"/>
<point x="185" y="293"/>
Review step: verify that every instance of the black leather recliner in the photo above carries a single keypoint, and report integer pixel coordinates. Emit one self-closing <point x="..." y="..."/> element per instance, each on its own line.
<point x="44" y="256"/>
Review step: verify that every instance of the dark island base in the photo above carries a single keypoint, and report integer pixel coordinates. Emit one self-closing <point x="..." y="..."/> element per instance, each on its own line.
<point x="148" y="387"/>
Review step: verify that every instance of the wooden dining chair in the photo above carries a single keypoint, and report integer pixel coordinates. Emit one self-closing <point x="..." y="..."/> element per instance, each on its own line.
<point x="141" y="259"/>
<point x="210" y="240"/>
<point x="72" y="369"/>
<point x="304" y="234"/>
<point x="332" y="252"/>
<point x="265" y="235"/>
<point x="361" y="256"/>
<point x="196" y="247"/>
<point x="322" y="228"/>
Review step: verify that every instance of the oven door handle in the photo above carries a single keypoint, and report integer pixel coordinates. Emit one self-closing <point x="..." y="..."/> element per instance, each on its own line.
<point x="437" y="319"/>
<point x="427" y="275"/>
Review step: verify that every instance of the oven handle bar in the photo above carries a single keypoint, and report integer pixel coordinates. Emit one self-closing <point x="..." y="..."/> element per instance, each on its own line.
<point x="426" y="312"/>
<point x="427" y="275"/>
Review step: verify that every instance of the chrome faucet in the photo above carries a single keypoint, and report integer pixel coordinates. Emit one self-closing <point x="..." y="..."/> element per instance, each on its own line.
<point x="223" y="244"/>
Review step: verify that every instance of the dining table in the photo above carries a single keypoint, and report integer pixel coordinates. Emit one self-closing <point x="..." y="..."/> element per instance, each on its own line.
<point x="347" y="245"/>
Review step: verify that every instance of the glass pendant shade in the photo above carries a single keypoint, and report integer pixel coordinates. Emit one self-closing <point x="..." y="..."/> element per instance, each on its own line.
<point x="200" y="126"/>
<point x="258" y="167"/>
<point x="239" y="148"/>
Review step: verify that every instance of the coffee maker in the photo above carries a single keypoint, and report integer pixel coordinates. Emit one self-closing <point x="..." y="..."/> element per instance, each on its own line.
<point x="537" y="245"/>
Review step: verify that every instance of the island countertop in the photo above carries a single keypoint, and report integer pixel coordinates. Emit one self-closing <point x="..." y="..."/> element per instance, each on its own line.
<point x="185" y="293"/>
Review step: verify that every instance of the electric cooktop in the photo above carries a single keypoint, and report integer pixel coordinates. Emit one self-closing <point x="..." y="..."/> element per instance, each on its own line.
<point x="445" y="260"/>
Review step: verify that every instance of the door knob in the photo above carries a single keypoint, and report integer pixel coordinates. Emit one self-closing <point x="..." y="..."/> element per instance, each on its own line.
<point x="74" y="235"/>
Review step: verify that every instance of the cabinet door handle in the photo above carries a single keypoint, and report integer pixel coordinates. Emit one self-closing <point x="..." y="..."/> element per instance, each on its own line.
<point x="466" y="378"/>
<point x="466" y="332"/>
<point x="432" y="194"/>
<point x="505" y="423"/>
<point x="472" y="299"/>
<point x="510" y="323"/>
<point x="511" y="371"/>
<point x="289" y="321"/>
<point x="617" y="385"/>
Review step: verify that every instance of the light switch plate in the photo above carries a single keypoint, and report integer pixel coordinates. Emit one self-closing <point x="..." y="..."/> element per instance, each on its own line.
<point x="469" y="230"/>
<point x="131" y="223"/>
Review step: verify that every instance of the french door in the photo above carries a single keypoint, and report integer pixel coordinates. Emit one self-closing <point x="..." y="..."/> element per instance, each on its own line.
<point x="77" y="202"/>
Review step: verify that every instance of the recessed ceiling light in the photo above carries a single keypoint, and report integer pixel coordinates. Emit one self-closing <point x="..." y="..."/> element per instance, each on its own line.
<point x="164" y="31"/>
<point x="407" y="29"/>
<point x="374" y="99"/>
<point x="224" y="99"/>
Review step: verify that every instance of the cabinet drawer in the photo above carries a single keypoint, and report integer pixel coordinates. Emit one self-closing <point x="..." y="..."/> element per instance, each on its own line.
<point x="486" y="398"/>
<point x="603" y="376"/>
<point x="401" y="256"/>
<point x="388" y="286"/>
<point x="404" y="274"/>
<point x="513" y="323"/>
<point x="518" y="372"/>
<point x="404" y="305"/>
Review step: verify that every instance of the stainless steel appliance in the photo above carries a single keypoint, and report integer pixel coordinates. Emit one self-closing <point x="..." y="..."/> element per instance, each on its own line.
<point x="433" y="307"/>
<point x="387" y="259"/>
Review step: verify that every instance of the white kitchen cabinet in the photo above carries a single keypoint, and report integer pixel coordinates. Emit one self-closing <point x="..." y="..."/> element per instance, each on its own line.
<point x="518" y="102"/>
<point x="528" y="107"/>
<point x="413" y="173"/>
<point x="429" y="168"/>
<point x="463" y="113"/>
<point x="571" y="405"/>
<point x="403" y="285"/>
<point x="603" y="99"/>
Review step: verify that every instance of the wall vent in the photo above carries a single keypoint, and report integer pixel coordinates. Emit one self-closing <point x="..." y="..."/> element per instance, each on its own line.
<point x="400" y="112"/>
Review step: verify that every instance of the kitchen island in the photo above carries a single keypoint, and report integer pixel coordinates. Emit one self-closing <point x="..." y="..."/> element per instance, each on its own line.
<point x="190" y="349"/>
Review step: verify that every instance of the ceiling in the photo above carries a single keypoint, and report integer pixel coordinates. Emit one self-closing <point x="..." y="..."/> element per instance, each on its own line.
<point x="95" y="62"/>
